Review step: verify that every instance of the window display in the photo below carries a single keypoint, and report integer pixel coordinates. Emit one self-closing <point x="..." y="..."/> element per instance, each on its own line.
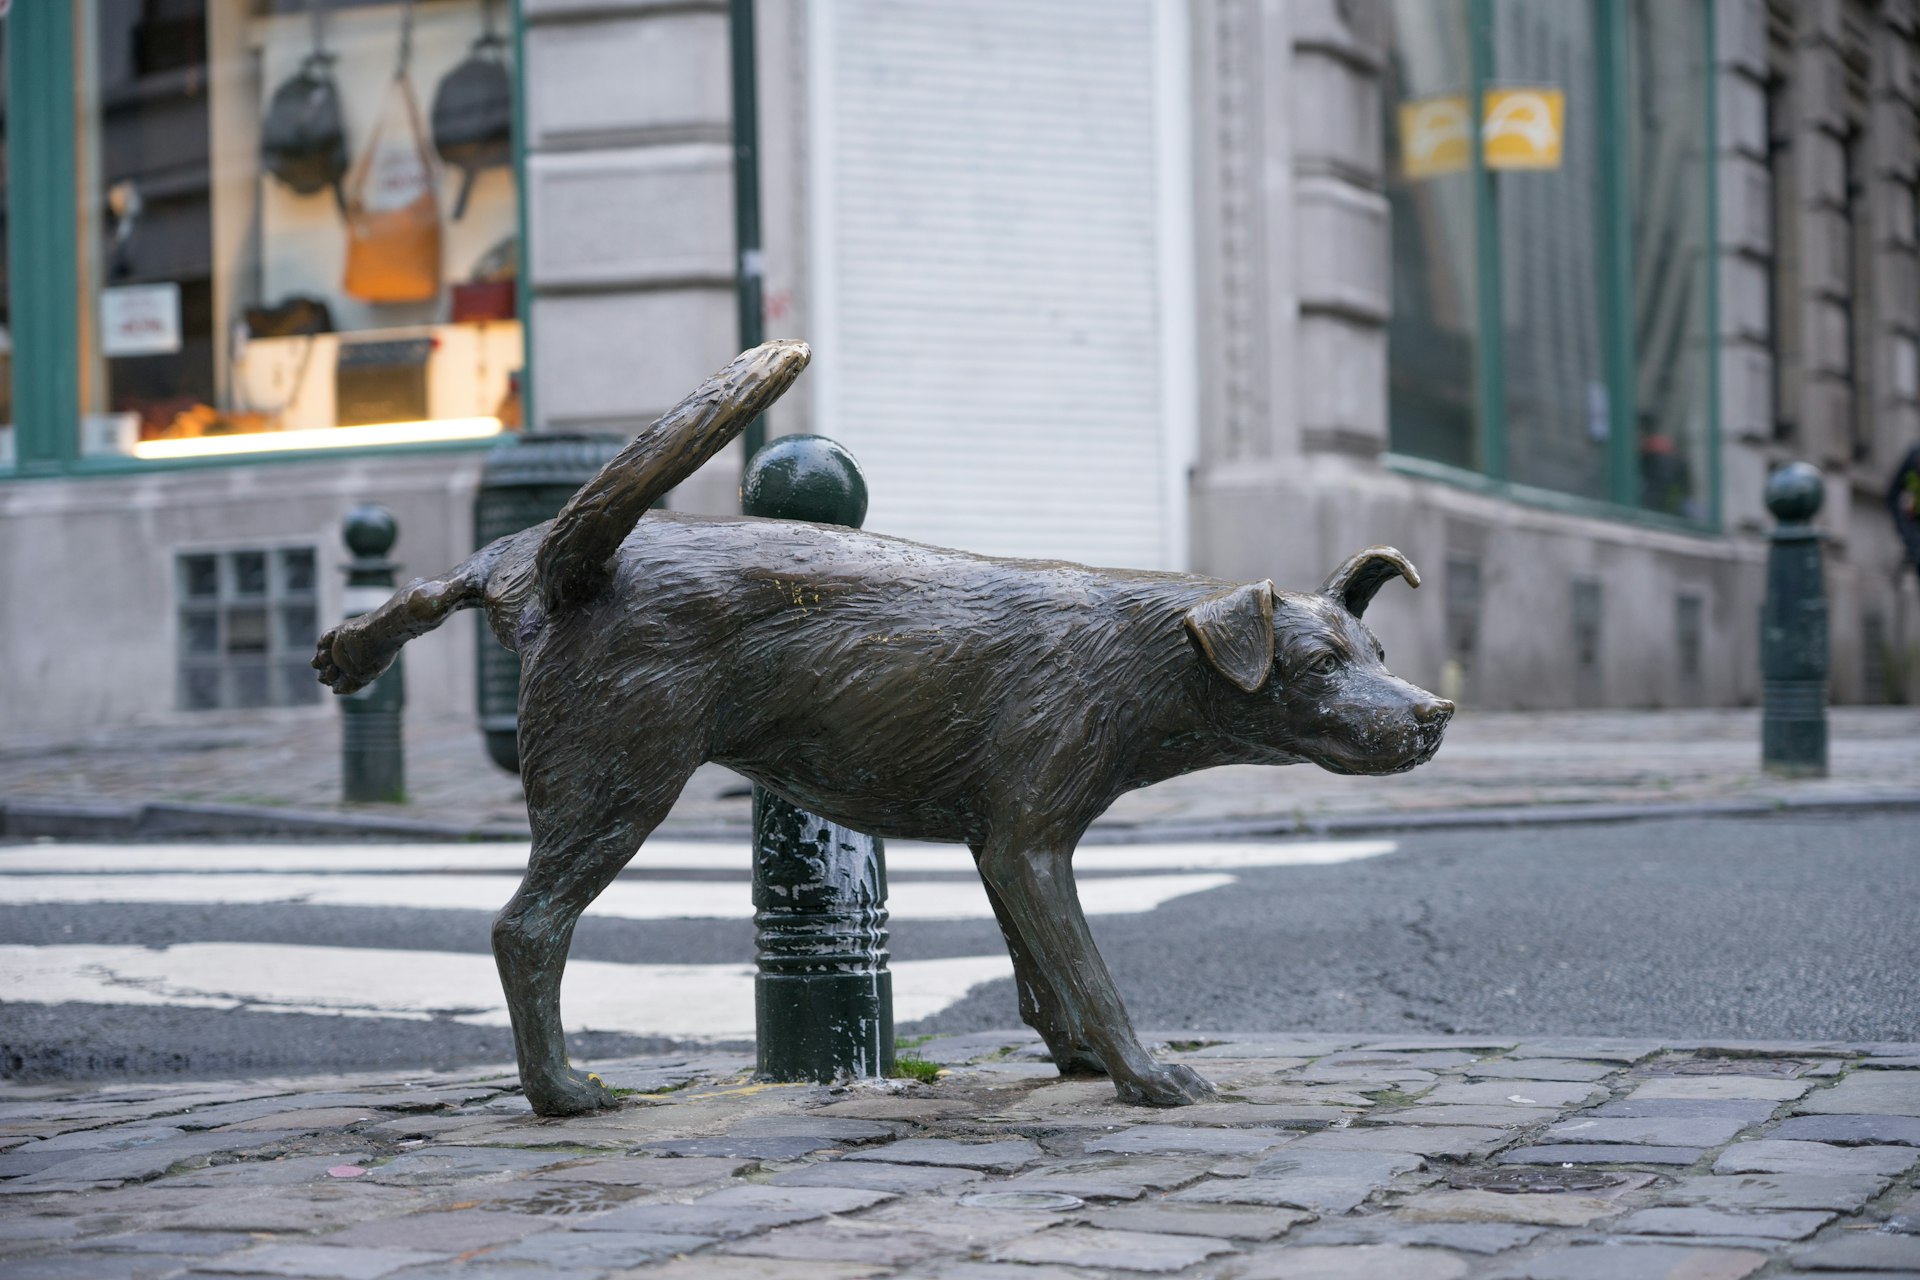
<point x="299" y="225"/>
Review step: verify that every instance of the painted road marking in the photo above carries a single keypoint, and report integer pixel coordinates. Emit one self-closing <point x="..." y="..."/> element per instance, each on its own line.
<point x="626" y="899"/>
<point x="903" y="857"/>
<point x="689" y="1001"/>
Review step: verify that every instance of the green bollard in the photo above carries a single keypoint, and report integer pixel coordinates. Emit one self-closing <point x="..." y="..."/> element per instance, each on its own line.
<point x="373" y="763"/>
<point x="822" y="998"/>
<point x="1793" y="630"/>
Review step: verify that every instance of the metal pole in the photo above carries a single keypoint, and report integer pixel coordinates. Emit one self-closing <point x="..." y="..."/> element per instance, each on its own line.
<point x="750" y="264"/>
<point x="373" y="762"/>
<point x="1793" y="630"/>
<point x="823" y="998"/>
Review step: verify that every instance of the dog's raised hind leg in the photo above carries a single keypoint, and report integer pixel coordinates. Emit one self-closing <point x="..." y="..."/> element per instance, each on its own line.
<point x="1040" y="1005"/>
<point x="1034" y="879"/>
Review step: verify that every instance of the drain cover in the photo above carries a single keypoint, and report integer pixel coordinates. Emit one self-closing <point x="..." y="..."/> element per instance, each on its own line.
<point x="1021" y="1200"/>
<point x="1515" y="1182"/>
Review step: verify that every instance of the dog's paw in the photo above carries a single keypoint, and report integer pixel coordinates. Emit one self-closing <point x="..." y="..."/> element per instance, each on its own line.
<point x="571" y="1094"/>
<point x="1172" y="1085"/>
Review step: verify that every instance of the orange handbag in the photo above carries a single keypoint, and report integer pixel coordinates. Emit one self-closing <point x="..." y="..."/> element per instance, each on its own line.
<point x="393" y="205"/>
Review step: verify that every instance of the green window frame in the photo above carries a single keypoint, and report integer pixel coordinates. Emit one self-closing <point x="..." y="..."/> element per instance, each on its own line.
<point x="43" y="258"/>
<point x="1490" y="406"/>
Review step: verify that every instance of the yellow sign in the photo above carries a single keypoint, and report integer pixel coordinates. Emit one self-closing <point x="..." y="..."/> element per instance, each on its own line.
<point x="1522" y="129"/>
<point x="1434" y="136"/>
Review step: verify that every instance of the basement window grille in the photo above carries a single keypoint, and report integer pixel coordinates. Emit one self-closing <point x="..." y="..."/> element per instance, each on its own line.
<point x="248" y="618"/>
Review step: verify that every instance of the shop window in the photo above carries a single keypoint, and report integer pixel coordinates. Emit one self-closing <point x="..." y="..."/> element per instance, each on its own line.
<point x="1549" y="172"/>
<point x="298" y="225"/>
<point x="6" y="291"/>
<point x="249" y="619"/>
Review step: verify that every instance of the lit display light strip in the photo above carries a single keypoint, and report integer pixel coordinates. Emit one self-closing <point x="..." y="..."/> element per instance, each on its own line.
<point x="426" y="432"/>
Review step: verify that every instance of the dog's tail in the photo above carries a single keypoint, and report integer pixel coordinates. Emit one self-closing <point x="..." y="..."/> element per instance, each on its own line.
<point x="566" y="560"/>
<point x="574" y="562"/>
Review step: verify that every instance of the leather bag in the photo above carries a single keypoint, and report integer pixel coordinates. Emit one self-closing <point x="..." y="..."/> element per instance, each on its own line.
<point x="392" y="204"/>
<point x="473" y="112"/>
<point x="303" y="139"/>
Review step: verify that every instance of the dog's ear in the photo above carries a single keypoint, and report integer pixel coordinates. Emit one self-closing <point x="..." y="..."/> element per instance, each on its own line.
<point x="1354" y="583"/>
<point x="1235" y="632"/>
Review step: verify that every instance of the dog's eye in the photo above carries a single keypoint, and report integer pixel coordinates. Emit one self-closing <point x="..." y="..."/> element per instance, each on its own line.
<point x="1324" y="665"/>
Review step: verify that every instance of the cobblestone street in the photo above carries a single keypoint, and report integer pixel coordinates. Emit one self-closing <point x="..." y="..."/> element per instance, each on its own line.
<point x="1323" y="1158"/>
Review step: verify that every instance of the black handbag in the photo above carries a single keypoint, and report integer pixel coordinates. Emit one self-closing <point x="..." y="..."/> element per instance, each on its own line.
<point x="473" y="111"/>
<point x="303" y="140"/>
<point x="291" y="317"/>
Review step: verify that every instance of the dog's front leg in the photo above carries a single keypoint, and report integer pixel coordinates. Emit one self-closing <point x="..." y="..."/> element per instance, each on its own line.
<point x="1034" y="884"/>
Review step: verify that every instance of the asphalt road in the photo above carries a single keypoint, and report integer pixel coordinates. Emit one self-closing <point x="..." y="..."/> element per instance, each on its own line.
<point x="1783" y="927"/>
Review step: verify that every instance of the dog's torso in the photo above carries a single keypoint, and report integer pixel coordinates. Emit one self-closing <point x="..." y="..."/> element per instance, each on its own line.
<point x="902" y="689"/>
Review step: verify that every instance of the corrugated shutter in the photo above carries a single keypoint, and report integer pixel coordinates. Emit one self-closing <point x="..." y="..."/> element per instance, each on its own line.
<point x="987" y="248"/>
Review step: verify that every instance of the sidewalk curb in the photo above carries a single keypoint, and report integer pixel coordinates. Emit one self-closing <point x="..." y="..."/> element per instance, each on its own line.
<point x="171" y="820"/>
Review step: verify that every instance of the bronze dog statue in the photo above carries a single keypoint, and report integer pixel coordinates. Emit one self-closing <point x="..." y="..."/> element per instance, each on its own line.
<point x="898" y="689"/>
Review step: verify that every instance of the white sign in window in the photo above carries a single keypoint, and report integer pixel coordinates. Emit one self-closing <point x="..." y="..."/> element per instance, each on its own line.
<point x="140" y="320"/>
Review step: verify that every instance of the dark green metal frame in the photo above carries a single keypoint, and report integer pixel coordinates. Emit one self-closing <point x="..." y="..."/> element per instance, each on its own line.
<point x="43" y="259"/>
<point x="1613" y="196"/>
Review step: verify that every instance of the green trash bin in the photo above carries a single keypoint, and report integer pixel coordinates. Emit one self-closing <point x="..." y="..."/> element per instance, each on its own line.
<point x="527" y="479"/>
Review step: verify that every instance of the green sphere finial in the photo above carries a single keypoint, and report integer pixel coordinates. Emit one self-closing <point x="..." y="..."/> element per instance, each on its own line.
<point x="1795" y="492"/>
<point x="370" y="531"/>
<point x="805" y="478"/>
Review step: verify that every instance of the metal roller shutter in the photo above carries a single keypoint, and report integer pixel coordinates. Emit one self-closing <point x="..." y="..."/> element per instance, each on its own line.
<point x="1001" y="265"/>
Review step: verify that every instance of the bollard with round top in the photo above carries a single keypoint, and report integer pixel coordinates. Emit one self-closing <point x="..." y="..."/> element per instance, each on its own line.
<point x="1793" y="630"/>
<point x="372" y="757"/>
<point x="823" y="998"/>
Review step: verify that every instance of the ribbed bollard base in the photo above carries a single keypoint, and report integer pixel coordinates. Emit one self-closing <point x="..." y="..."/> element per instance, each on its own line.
<point x="1793" y="728"/>
<point x="373" y="761"/>
<point x="823" y="999"/>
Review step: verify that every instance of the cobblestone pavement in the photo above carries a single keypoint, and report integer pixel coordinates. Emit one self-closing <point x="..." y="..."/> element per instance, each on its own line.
<point x="1490" y="759"/>
<point x="1324" y="1158"/>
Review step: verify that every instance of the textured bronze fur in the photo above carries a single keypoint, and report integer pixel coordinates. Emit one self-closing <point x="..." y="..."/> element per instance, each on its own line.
<point x="899" y="689"/>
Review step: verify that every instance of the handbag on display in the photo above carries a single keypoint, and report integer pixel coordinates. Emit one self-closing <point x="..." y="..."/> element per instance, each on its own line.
<point x="303" y="140"/>
<point x="473" y="111"/>
<point x="392" y="207"/>
<point x="295" y="316"/>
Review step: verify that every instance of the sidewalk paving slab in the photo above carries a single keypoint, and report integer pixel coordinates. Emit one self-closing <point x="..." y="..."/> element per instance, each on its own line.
<point x="990" y="1172"/>
<point x="211" y="774"/>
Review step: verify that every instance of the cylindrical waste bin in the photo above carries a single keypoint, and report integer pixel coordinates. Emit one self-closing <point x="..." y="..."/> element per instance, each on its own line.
<point x="527" y="479"/>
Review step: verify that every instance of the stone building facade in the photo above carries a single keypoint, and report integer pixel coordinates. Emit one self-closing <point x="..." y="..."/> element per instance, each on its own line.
<point x="1164" y="283"/>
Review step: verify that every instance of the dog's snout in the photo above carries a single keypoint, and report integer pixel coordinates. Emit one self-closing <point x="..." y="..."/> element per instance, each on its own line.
<point x="1433" y="711"/>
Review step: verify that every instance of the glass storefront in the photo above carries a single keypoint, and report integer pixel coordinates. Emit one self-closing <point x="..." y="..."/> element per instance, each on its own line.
<point x="6" y="291"/>
<point x="298" y="225"/>
<point x="1549" y="172"/>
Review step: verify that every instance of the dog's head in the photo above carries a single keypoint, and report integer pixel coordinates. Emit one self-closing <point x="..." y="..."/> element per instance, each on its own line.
<point x="1309" y="681"/>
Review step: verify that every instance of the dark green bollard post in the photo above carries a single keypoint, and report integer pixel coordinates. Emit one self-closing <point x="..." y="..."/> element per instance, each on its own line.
<point x="373" y="763"/>
<point x="823" y="999"/>
<point x="527" y="479"/>
<point x="1793" y="630"/>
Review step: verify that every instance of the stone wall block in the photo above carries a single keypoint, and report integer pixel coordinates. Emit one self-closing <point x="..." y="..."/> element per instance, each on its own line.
<point x="1826" y="332"/>
<point x="1743" y="116"/>
<point x="1820" y="21"/>
<point x="1336" y="118"/>
<point x="1894" y="138"/>
<point x="1746" y="392"/>
<point x="615" y="361"/>
<point x="647" y="78"/>
<point x="1823" y="258"/>
<point x="1901" y="356"/>
<point x="1746" y="211"/>
<point x="1743" y="299"/>
<point x="1740" y="35"/>
<point x="1820" y="89"/>
<point x="1822" y="169"/>
<point x="1344" y="253"/>
<point x="1896" y="219"/>
<point x="1355" y="30"/>
<point x="1826" y="415"/>
<point x="631" y="217"/>
<point x="1342" y="393"/>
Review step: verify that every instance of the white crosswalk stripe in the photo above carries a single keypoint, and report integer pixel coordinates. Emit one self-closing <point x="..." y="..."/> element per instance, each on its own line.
<point x="686" y="1001"/>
